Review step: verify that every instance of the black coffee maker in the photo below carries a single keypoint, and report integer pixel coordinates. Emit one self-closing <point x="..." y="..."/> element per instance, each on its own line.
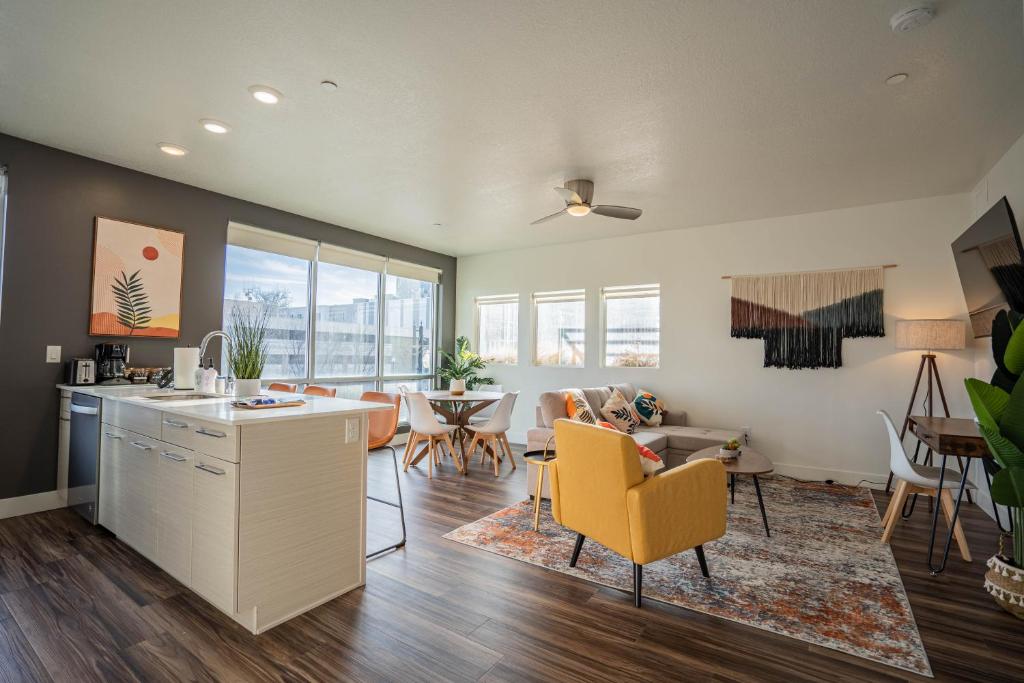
<point x="111" y="363"/>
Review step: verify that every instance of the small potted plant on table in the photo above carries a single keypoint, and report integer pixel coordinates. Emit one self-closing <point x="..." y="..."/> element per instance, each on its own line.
<point x="730" y="450"/>
<point x="460" y="369"/>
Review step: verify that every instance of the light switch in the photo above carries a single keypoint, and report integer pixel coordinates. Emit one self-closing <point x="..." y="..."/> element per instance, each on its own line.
<point x="352" y="430"/>
<point x="52" y="354"/>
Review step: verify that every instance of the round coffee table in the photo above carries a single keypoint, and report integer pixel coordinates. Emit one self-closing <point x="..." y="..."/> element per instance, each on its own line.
<point x="749" y="462"/>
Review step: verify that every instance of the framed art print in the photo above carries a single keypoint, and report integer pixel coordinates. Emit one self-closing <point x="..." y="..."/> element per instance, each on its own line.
<point x="136" y="280"/>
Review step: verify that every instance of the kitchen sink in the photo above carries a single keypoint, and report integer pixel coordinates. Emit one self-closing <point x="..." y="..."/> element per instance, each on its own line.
<point x="180" y="397"/>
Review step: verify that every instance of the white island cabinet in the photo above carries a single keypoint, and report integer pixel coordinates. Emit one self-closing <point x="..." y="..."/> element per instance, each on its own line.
<point x="260" y="512"/>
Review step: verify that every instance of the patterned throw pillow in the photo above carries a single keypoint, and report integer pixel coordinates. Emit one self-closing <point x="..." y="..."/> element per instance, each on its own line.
<point x="577" y="408"/>
<point x="650" y="462"/>
<point x="621" y="413"/>
<point x="649" y="407"/>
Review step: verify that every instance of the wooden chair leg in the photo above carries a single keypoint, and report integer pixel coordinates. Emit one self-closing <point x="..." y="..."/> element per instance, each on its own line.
<point x="431" y="455"/>
<point x="410" y="452"/>
<point x="455" y="454"/>
<point x="472" y="449"/>
<point x="946" y="498"/>
<point x="494" y="450"/>
<point x="889" y="510"/>
<point x="508" y="449"/>
<point x="897" y="499"/>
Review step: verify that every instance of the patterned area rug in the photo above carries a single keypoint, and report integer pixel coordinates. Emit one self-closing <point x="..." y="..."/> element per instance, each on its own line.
<point x="823" y="577"/>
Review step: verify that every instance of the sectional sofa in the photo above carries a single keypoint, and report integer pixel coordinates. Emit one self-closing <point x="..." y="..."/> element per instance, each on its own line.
<point x="674" y="440"/>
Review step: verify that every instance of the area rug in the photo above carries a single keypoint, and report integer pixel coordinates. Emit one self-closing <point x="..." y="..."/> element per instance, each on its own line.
<point x="824" y="576"/>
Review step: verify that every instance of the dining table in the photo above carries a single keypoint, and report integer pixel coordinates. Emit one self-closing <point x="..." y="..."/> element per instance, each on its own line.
<point x="457" y="409"/>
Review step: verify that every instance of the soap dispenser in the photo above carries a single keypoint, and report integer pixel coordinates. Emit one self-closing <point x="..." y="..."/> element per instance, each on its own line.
<point x="209" y="380"/>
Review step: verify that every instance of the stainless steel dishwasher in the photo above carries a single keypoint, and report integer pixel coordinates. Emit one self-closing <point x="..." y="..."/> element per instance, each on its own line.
<point x="84" y="456"/>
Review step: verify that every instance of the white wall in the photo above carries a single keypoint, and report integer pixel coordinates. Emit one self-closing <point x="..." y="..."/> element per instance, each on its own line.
<point x="1006" y="179"/>
<point x="812" y="423"/>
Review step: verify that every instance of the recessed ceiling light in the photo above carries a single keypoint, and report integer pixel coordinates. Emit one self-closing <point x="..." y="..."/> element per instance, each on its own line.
<point x="173" y="150"/>
<point x="896" y="79"/>
<point x="438" y="225"/>
<point x="328" y="86"/>
<point x="215" y="126"/>
<point x="264" y="94"/>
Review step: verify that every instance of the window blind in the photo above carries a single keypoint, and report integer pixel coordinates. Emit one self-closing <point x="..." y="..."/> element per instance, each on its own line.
<point x="631" y="292"/>
<point x="241" y="235"/>
<point x="413" y="271"/>
<point x="565" y="295"/>
<point x="351" y="258"/>
<point x="497" y="299"/>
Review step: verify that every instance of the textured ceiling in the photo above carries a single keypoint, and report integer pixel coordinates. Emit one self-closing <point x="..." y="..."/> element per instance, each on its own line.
<point x="467" y="113"/>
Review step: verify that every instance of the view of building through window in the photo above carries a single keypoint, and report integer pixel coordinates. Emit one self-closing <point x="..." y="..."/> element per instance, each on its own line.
<point x="343" y="338"/>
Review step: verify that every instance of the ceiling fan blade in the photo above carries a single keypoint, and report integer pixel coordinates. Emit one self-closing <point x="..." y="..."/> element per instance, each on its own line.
<point x="626" y="212"/>
<point x="547" y="218"/>
<point x="568" y="195"/>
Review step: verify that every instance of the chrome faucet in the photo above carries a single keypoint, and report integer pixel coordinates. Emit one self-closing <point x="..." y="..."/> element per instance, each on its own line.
<point x="211" y="335"/>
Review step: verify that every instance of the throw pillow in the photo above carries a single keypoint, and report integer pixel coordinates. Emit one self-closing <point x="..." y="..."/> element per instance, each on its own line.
<point x="577" y="408"/>
<point x="621" y="413"/>
<point x="649" y="407"/>
<point x="650" y="462"/>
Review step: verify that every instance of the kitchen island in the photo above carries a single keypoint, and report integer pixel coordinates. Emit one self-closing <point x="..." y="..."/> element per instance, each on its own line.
<point x="260" y="512"/>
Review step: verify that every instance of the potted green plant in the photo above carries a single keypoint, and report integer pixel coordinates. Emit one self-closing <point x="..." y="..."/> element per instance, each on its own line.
<point x="460" y="369"/>
<point x="1000" y="417"/>
<point x="730" y="450"/>
<point x="247" y="354"/>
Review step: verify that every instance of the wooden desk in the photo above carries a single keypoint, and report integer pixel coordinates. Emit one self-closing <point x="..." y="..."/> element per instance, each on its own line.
<point x="957" y="437"/>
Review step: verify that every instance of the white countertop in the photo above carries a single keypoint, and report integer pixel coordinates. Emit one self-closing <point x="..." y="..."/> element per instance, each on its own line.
<point x="220" y="410"/>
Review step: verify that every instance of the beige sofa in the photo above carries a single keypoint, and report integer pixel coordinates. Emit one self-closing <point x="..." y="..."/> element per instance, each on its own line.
<point x="673" y="440"/>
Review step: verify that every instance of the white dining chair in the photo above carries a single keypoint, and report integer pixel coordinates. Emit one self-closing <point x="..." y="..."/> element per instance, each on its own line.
<point x="918" y="479"/>
<point x="493" y="433"/>
<point x="425" y="427"/>
<point x="488" y="412"/>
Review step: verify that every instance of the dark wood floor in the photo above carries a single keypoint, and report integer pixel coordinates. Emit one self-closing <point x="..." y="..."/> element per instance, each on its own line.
<point x="78" y="605"/>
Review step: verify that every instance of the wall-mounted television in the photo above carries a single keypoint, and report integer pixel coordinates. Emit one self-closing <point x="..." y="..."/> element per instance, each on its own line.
<point x="990" y="260"/>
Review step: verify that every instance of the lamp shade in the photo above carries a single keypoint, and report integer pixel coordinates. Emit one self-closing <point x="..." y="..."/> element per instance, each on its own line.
<point x="931" y="335"/>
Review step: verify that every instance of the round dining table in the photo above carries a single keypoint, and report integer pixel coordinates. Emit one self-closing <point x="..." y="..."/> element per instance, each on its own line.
<point x="456" y="409"/>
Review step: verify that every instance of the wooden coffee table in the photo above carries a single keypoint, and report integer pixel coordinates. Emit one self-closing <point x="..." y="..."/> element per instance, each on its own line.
<point x="749" y="462"/>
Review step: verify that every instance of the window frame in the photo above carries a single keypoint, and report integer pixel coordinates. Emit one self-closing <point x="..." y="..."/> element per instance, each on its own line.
<point x="492" y="300"/>
<point x="380" y="378"/>
<point x="627" y="292"/>
<point x="564" y="295"/>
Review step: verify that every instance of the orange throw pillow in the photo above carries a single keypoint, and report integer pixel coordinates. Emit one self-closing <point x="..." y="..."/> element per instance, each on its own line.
<point x="570" y="405"/>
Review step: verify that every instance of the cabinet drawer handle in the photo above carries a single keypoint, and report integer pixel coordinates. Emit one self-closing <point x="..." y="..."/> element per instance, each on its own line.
<point x="141" y="446"/>
<point x="175" y="423"/>
<point x="210" y="468"/>
<point x="111" y="435"/>
<point x="211" y="432"/>
<point x="173" y="456"/>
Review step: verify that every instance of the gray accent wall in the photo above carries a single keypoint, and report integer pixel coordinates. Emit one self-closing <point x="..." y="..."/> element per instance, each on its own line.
<point x="53" y="199"/>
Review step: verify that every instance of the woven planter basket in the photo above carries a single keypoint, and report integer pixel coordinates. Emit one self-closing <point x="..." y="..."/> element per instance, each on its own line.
<point x="1006" y="585"/>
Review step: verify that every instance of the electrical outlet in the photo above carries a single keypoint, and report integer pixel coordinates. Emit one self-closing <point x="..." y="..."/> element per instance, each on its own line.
<point x="746" y="435"/>
<point x="52" y="354"/>
<point x="352" y="430"/>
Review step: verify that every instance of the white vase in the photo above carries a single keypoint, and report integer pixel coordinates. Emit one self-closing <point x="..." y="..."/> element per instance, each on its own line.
<point x="458" y="387"/>
<point x="247" y="387"/>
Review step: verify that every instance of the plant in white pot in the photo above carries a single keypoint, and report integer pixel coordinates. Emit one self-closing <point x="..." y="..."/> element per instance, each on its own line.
<point x="248" y="353"/>
<point x="460" y="369"/>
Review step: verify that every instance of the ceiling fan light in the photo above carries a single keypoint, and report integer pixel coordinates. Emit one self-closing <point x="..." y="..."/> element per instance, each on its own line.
<point x="577" y="210"/>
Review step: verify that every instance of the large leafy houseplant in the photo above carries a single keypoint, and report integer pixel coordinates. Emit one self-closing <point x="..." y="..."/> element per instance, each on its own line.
<point x="463" y="366"/>
<point x="1000" y="417"/>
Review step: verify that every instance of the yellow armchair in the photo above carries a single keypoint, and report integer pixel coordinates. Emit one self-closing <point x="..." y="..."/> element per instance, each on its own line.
<point x="598" y="490"/>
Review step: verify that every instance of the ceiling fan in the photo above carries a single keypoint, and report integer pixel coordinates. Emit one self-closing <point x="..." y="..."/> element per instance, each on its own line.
<point x="578" y="194"/>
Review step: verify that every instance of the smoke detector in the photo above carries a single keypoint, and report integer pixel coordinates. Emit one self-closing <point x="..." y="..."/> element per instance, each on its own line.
<point x="909" y="18"/>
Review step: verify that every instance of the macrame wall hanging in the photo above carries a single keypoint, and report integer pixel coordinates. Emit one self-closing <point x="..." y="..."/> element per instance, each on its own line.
<point x="804" y="317"/>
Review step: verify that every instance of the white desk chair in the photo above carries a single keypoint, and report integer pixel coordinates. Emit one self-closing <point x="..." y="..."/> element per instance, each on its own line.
<point x="920" y="479"/>
<point x="487" y="413"/>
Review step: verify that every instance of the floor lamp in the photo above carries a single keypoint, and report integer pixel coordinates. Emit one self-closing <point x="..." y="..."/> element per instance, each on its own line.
<point x="928" y="336"/>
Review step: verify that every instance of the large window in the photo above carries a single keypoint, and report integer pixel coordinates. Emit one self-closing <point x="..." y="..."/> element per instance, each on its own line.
<point x="497" y="321"/>
<point x="560" y="328"/>
<point x="632" y="326"/>
<point x="373" y="322"/>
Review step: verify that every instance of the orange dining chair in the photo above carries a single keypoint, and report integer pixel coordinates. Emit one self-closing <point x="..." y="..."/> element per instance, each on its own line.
<point x="281" y="386"/>
<point x="317" y="390"/>
<point x="379" y="432"/>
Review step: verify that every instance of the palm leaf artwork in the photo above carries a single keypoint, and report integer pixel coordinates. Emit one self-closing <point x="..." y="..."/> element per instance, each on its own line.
<point x="133" y="309"/>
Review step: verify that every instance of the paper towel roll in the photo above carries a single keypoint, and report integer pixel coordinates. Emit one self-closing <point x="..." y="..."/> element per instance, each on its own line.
<point x="186" y="360"/>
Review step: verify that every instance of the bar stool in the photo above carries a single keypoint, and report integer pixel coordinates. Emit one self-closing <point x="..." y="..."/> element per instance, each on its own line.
<point x="281" y="386"/>
<point x="317" y="390"/>
<point x="379" y="432"/>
